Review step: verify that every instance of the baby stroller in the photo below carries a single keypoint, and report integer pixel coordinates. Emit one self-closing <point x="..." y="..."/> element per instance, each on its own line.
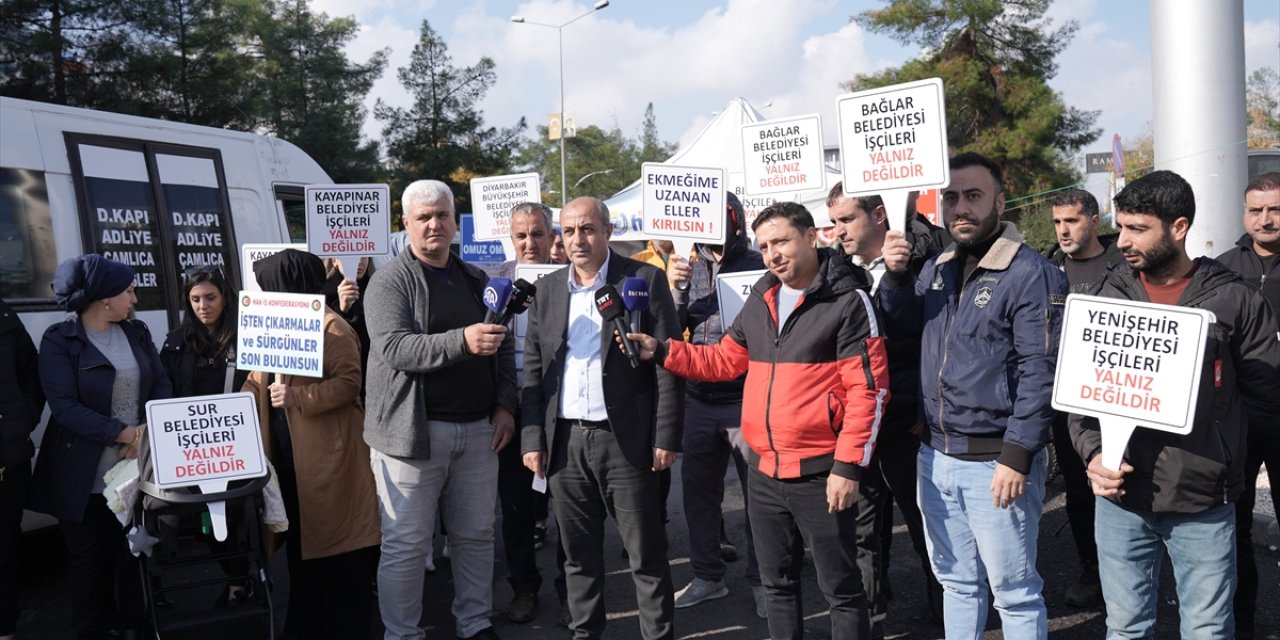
<point x="187" y="566"/>
<point x="194" y="585"/>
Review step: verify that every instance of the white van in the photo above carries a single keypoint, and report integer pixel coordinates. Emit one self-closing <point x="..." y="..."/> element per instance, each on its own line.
<point x="160" y="196"/>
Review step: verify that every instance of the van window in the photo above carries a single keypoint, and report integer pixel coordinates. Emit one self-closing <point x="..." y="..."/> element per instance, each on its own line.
<point x="159" y="208"/>
<point x="293" y="204"/>
<point x="27" y="253"/>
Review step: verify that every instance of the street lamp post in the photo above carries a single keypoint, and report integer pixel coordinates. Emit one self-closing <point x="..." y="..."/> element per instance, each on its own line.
<point x="564" y="189"/>
<point x="593" y="173"/>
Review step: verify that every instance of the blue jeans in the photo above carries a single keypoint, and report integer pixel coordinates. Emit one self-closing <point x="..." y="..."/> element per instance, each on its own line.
<point x="972" y="544"/>
<point x="1203" y="553"/>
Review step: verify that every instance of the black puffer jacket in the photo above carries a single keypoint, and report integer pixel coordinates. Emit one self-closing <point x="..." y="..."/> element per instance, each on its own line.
<point x="1239" y="390"/>
<point x="1244" y="261"/>
<point x="21" y="398"/>
<point x="698" y="307"/>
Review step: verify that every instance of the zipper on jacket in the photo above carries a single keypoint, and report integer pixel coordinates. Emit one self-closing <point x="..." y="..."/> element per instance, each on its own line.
<point x="773" y="369"/>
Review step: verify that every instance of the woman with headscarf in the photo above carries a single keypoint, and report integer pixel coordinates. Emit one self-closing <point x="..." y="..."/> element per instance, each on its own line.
<point x="98" y="370"/>
<point x="313" y="431"/>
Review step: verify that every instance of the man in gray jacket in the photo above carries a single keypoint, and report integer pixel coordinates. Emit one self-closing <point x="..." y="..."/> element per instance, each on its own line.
<point x="441" y="397"/>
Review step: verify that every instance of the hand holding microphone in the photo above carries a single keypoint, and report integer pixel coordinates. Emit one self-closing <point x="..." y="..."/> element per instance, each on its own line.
<point x="610" y="308"/>
<point x="484" y="338"/>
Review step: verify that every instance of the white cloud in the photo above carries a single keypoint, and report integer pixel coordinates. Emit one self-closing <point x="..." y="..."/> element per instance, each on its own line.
<point x="613" y="68"/>
<point x="1261" y="45"/>
<point x="1099" y="72"/>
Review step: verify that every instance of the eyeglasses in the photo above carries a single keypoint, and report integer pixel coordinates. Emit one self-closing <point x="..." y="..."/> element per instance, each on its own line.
<point x="209" y="269"/>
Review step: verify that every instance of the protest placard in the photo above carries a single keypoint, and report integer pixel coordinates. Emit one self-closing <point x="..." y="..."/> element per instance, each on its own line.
<point x="683" y="204"/>
<point x="203" y="438"/>
<point x="732" y="291"/>
<point x="253" y="252"/>
<point x="205" y="441"/>
<point x="1130" y="364"/>
<point x="281" y="333"/>
<point x="477" y="251"/>
<point x="783" y="155"/>
<point x="529" y="273"/>
<point x="348" y="222"/>
<point x="893" y="140"/>
<point x="492" y="199"/>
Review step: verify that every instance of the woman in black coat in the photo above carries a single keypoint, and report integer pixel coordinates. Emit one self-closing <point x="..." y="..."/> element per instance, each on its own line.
<point x="200" y="355"/>
<point x="21" y="403"/>
<point x="98" y="369"/>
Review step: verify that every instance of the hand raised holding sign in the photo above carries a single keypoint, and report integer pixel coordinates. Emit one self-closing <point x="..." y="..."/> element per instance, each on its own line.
<point x="281" y="395"/>
<point x="896" y="251"/>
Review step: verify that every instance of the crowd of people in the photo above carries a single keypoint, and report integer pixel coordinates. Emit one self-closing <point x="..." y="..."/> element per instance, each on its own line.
<point x="904" y="366"/>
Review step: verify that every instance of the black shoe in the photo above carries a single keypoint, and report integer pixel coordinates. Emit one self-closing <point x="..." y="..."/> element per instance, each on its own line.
<point x="523" y="607"/>
<point x="1087" y="590"/>
<point x="486" y="633"/>
<point x="566" y="617"/>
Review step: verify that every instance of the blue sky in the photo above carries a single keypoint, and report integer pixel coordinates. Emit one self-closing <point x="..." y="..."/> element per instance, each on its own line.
<point x="691" y="57"/>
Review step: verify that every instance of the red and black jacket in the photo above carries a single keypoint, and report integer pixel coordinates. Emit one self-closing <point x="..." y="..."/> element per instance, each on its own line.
<point x="815" y="391"/>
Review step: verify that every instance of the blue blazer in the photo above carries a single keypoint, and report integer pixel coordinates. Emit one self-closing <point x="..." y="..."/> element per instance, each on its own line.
<point x="77" y="381"/>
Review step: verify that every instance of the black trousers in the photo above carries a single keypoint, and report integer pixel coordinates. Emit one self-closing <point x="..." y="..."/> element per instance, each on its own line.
<point x="330" y="598"/>
<point x="522" y="509"/>
<point x="13" y="491"/>
<point x="103" y="580"/>
<point x="891" y="478"/>
<point x="785" y="516"/>
<point x="1263" y="448"/>
<point x="598" y="482"/>
<point x="1080" y="499"/>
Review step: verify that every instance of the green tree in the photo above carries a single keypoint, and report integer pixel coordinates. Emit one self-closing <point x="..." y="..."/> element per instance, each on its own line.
<point x="652" y="148"/>
<point x="995" y="59"/>
<point x="196" y="61"/>
<point x="599" y="162"/>
<point x="65" y="51"/>
<point x="1262" y="104"/>
<point x="443" y="135"/>
<point x="313" y="94"/>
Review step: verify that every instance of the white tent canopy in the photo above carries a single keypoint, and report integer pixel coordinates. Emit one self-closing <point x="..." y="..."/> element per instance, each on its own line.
<point x="719" y="144"/>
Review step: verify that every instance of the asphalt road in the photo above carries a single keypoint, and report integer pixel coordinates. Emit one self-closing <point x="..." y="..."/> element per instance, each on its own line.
<point x="45" y="614"/>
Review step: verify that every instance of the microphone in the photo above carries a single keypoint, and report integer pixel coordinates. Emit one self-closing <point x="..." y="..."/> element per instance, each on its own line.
<point x="520" y="300"/>
<point x="610" y="309"/>
<point x="496" y="295"/>
<point x="635" y="297"/>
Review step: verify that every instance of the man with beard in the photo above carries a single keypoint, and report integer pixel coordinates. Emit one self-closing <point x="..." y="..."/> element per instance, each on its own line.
<point x="988" y="310"/>
<point x="1256" y="257"/>
<point x="1176" y="491"/>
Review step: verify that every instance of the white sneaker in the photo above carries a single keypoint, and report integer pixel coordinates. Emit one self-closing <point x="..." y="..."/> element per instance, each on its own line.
<point x="699" y="591"/>
<point x="762" y="611"/>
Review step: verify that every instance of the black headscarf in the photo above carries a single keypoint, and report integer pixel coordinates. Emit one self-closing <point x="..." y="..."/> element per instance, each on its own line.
<point x="290" y="271"/>
<point x="81" y="280"/>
